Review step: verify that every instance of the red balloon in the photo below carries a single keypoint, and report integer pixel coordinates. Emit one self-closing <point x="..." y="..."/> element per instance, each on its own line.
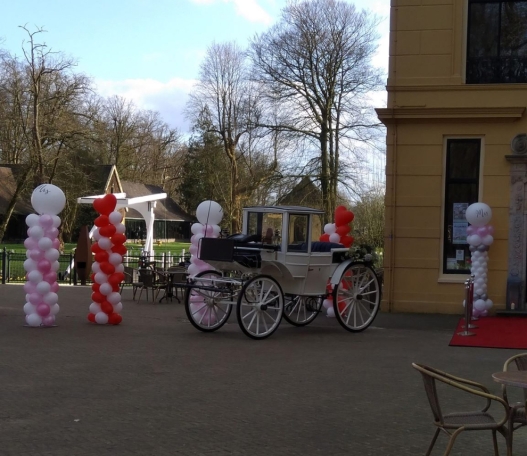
<point x="343" y="218"/>
<point x="107" y="231"/>
<point x="118" y="239"/>
<point x="106" y="204"/>
<point x="95" y="286"/>
<point x="343" y="230"/>
<point x="324" y="238"/>
<point x="92" y="277"/>
<point x="97" y="297"/>
<point x="91" y="317"/>
<point x="347" y="241"/>
<point x="110" y="201"/>
<point x="116" y="278"/>
<point x="101" y="221"/>
<point x="340" y="209"/>
<point x="102" y="256"/>
<point x="120" y="249"/>
<point x="116" y="288"/>
<point x="96" y="248"/>
<point x="114" y="319"/>
<point x="106" y="307"/>
<point x="107" y="268"/>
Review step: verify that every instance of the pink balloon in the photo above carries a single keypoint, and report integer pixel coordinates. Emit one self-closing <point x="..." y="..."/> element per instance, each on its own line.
<point x="482" y="231"/>
<point x="209" y="231"/>
<point x="36" y="254"/>
<point x="35" y="298"/>
<point x="52" y="232"/>
<point x="43" y="309"/>
<point x="30" y="287"/>
<point x="45" y="221"/>
<point x="56" y="244"/>
<point x="471" y="230"/>
<point x="490" y="230"/>
<point x="54" y="287"/>
<point x="48" y="320"/>
<point x="31" y="244"/>
<point x="50" y="277"/>
<point x="44" y="266"/>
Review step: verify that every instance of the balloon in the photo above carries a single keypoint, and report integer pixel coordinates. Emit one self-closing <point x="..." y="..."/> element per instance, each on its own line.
<point x="119" y="268"/>
<point x="50" y="277"/>
<point x="35" y="232"/>
<point x="115" y="319"/>
<point x="108" y="230"/>
<point x="30" y="243"/>
<point x="116" y="278"/>
<point x="216" y="230"/>
<point x="51" y="233"/>
<point x="343" y="218"/>
<point x="106" y="307"/>
<point x="347" y="241"/>
<point x="115" y="217"/>
<point x="45" y="221"/>
<point x="95" y="308"/>
<point x="96" y="235"/>
<point x="196" y="228"/>
<point x="118" y="307"/>
<point x="30" y="265"/>
<point x="55" y="266"/>
<point x="474" y="239"/>
<point x="195" y="239"/>
<point x="54" y="287"/>
<point x="118" y="239"/>
<point x="334" y="238"/>
<point x="43" y="309"/>
<point x="329" y="228"/>
<point x="471" y="230"/>
<point x="56" y="244"/>
<point x="343" y="230"/>
<point x="115" y="259"/>
<point x="107" y="267"/>
<point x="98" y="297"/>
<point x="101" y="278"/>
<point x="209" y="213"/>
<point x="487" y="240"/>
<point x="478" y="214"/>
<point x="48" y="199"/>
<point x="193" y="270"/>
<point x="44" y="266"/>
<point x="105" y="243"/>
<point x="30" y="287"/>
<point x="43" y="288"/>
<point x="105" y="205"/>
<point x="479" y="304"/>
<point x="29" y="308"/>
<point x="32" y="220"/>
<point x="113" y="298"/>
<point x="120" y="228"/>
<point x="48" y="320"/>
<point x="101" y="257"/>
<point x="52" y="255"/>
<point x="327" y="303"/>
<point x="324" y="237"/>
<point x="331" y="312"/>
<point x="193" y="249"/>
<point x="95" y="267"/>
<point x="96" y="248"/>
<point x="56" y="221"/>
<point x="490" y="230"/>
<point x="51" y="298"/>
<point x="34" y="277"/>
<point x="54" y="310"/>
<point x="120" y="249"/>
<point x="101" y="317"/>
<point x="105" y="289"/>
<point x="482" y="231"/>
<point x="34" y="319"/>
<point x="91" y="318"/>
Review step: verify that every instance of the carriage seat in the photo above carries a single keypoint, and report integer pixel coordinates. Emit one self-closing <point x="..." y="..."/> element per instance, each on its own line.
<point x="316" y="246"/>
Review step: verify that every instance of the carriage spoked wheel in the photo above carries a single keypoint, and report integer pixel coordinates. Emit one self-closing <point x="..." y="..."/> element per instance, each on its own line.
<point x="302" y="310"/>
<point x="260" y="307"/>
<point x="357" y="297"/>
<point x="207" y="310"/>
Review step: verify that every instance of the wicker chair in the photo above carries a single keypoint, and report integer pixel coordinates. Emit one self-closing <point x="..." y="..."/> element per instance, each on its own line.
<point x="131" y="278"/>
<point x="148" y="282"/>
<point x="517" y="416"/>
<point x="455" y="423"/>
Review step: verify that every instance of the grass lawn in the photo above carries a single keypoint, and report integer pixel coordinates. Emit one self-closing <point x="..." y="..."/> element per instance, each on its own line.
<point x="133" y="248"/>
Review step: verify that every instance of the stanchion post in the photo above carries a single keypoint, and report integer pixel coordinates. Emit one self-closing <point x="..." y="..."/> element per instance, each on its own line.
<point x="469" y="284"/>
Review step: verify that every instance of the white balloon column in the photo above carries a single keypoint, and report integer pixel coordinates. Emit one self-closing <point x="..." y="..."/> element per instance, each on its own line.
<point x="108" y="267"/>
<point x="479" y="237"/>
<point x="42" y="255"/>
<point x="209" y="215"/>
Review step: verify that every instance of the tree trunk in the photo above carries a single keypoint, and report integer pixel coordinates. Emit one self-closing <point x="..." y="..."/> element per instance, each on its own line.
<point x="16" y="196"/>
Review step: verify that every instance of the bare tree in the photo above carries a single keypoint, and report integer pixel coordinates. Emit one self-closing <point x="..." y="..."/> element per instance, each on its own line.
<point x="227" y="103"/>
<point x="316" y="65"/>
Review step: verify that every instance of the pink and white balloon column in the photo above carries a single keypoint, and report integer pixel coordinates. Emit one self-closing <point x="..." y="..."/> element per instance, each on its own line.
<point x="42" y="255"/>
<point x="480" y="238"/>
<point x="209" y="215"/>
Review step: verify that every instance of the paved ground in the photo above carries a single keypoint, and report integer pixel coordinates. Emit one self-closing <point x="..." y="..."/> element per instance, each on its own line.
<point x="156" y="386"/>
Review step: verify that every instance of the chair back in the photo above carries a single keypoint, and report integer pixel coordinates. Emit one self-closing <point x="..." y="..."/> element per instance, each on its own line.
<point x="521" y="364"/>
<point x="429" y="380"/>
<point x="146" y="277"/>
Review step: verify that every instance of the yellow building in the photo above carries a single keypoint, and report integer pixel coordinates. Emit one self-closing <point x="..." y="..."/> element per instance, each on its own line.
<point x="456" y="124"/>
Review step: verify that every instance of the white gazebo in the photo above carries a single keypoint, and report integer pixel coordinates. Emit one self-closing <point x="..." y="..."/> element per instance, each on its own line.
<point x="143" y="204"/>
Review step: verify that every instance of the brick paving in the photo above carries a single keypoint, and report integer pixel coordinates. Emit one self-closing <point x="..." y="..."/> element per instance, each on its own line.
<point x="156" y="386"/>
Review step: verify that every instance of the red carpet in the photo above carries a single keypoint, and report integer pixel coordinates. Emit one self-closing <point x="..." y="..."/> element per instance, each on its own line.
<point x="494" y="332"/>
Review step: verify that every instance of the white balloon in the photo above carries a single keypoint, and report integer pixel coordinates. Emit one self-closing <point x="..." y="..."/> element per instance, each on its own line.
<point x="209" y="213"/>
<point x="95" y="308"/>
<point x="195" y="239"/>
<point x="34" y="319"/>
<point x="30" y="265"/>
<point x="118" y="307"/>
<point x="29" y="308"/>
<point x="32" y="220"/>
<point x="101" y="318"/>
<point x="52" y="255"/>
<point x="327" y="303"/>
<point x="119" y="268"/>
<point x="34" y="277"/>
<point x="474" y="240"/>
<point x="43" y="288"/>
<point x="35" y="232"/>
<point x="56" y="221"/>
<point x="120" y="228"/>
<point x="331" y="312"/>
<point x="105" y="243"/>
<point x="115" y="217"/>
<point x="197" y="228"/>
<point x="478" y="214"/>
<point x="216" y="230"/>
<point x="487" y="240"/>
<point x="48" y="199"/>
<point x="334" y="237"/>
<point x="330" y="228"/>
<point x="115" y="259"/>
<point x="51" y="298"/>
<point x="96" y="235"/>
<point x="479" y="304"/>
<point x="96" y="267"/>
<point x="113" y="297"/>
<point x="488" y="304"/>
<point x="193" y="270"/>
<point x="101" y="277"/>
<point x="54" y="310"/>
<point x="45" y="243"/>
<point x="55" y="266"/>
<point x="105" y="288"/>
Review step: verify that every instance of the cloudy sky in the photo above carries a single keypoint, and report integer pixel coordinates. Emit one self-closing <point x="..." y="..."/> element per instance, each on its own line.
<point x="150" y="50"/>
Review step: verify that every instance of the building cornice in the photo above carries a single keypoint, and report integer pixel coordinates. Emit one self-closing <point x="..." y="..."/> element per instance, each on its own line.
<point x="413" y="114"/>
<point x="455" y="87"/>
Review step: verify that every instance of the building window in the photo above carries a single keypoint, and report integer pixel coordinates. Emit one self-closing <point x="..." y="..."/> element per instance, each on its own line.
<point x="497" y="42"/>
<point x="461" y="190"/>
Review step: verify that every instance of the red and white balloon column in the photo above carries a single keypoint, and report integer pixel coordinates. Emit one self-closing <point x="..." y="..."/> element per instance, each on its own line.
<point x="480" y="238"/>
<point x="42" y="255"/>
<point x="209" y="215"/>
<point x="108" y="268"/>
<point x="337" y="233"/>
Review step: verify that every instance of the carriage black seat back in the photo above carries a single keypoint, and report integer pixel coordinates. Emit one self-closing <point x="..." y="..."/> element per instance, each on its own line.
<point x="318" y="246"/>
<point x="214" y="249"/>
<point x="244" y="238"/>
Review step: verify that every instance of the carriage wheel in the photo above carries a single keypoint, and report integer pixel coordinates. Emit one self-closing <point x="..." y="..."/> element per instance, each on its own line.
<point x="302" y="310"/>
<point x="260" y="307"/>
<point x="357" y="297"/>
<point x="207" y="309"/>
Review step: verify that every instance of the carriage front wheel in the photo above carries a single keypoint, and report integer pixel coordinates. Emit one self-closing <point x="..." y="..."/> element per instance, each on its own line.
<point x="357" y="297"/>
<point x="260" y="307"/>
<point x="206" y="305"/>
<point x="302" y="310"/>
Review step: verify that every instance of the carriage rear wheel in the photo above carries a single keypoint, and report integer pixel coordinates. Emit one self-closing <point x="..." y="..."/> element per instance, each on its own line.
<point x="260" y="307"/>
<point x="357" y="297"/>
<point x="302" y="310"/>
<point x="207" y="309"/>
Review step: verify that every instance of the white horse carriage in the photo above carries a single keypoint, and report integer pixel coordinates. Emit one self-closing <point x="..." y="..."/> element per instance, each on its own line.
<point x="276" y="268"/>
